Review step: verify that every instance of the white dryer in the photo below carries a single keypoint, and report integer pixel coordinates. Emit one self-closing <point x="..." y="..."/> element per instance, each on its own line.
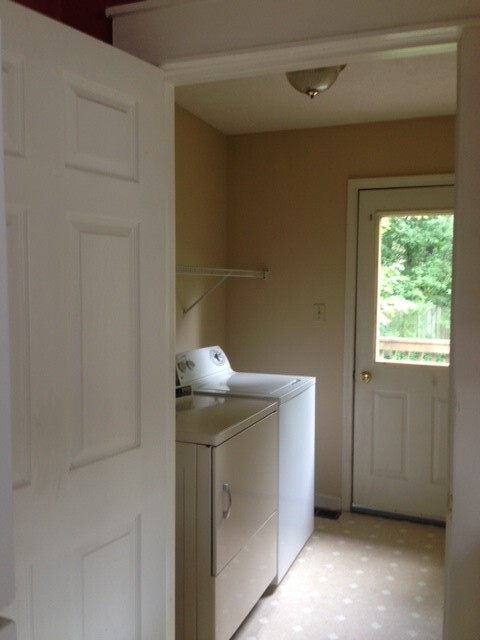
<point x="226" y="512"/>
<point x="209" y="372"/>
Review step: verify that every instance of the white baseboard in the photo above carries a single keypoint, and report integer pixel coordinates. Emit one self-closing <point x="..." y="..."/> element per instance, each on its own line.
<point x="331" y="503"/>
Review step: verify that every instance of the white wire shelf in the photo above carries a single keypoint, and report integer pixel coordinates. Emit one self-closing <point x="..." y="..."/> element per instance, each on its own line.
<point x="221" y="273"/>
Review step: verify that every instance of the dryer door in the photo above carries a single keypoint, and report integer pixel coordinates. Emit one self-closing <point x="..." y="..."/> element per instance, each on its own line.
<point x="245" y="474"/>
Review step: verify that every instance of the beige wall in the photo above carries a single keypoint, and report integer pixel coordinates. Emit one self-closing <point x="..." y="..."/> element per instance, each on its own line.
<point x="287" y="195"/>
<point x="201" y="227"/>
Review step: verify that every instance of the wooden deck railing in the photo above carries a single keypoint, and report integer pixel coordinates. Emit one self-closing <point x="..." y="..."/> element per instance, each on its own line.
<point x="414" y="350"/>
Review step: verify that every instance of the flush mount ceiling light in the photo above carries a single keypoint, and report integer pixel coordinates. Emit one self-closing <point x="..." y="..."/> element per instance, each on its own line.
<point x="312" y="81"/>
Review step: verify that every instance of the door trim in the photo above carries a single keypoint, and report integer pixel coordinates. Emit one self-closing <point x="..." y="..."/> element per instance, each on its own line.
<point x="236" y="63"/>
<point x="354" y="187"/>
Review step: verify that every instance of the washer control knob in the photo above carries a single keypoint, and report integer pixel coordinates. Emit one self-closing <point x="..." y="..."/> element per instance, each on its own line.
<point x="182" y="366"/>
<point x="218" y="357"/>
<point x="191" y="365"/>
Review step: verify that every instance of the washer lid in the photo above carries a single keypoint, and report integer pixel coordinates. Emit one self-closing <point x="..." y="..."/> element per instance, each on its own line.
<point x="262" y="385"/>
<point x="211" y="420"/>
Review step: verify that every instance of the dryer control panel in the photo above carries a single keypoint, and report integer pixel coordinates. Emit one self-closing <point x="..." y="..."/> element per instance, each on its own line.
<point x="193" y="366"/>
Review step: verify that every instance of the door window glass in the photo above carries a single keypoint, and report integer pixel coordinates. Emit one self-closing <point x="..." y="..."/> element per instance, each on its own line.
<point x="414" y="288"/>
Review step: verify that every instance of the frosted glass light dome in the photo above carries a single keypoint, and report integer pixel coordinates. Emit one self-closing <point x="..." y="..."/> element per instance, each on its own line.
<point x="312" y="81"/>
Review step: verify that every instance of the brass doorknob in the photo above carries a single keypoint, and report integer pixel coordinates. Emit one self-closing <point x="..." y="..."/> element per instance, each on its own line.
<point x="366" y="376"/>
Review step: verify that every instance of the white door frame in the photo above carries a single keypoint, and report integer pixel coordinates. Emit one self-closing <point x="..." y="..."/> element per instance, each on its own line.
<point x="7" y="583"/>
<point x="414" y="40"/>
<point x="354" y="188"/>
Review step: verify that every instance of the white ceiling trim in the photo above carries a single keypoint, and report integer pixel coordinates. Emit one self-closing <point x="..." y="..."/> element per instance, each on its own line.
<point x="401" y="43"/>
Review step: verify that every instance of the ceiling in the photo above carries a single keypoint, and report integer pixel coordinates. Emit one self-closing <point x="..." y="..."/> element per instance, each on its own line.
<point x="365" y="91"/>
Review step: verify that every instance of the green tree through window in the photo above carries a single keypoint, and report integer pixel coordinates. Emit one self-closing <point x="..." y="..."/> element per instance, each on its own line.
<point x="415" y="284"/>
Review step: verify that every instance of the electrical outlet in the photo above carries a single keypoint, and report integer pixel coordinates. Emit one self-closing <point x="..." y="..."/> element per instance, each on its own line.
<point x="319" y="311"/>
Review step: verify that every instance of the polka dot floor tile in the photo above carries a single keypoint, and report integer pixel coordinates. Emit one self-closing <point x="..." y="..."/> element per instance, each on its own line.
<point x="357" y="578"/>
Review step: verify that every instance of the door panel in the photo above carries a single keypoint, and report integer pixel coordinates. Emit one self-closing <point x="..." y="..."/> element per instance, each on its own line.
<point x="91" y="303"/>
<point x="401" y="393"/>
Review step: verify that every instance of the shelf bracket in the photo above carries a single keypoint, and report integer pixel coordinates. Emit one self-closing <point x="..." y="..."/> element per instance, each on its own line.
<point x="223" y="274"/>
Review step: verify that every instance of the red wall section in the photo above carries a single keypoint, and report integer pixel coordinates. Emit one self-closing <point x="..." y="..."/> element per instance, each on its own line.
<point x="85" y="15"/>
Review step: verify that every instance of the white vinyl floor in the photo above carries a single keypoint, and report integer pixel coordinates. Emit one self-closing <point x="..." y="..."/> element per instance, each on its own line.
<point x="358" y="578"/>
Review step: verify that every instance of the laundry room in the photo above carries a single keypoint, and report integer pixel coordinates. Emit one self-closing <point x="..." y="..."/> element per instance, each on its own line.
<point x="278" y="200"/>
<point x="230" y="227"/>
<point x="257" y="193"/>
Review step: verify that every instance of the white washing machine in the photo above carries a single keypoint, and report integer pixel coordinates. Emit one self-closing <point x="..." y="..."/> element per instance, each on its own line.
<point x="226" y="512"/>
<point x="209" y="372"/>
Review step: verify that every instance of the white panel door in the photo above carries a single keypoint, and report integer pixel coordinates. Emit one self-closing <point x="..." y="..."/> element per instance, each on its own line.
<point x="89" y="249"/>
<point x="401" y="382"/>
